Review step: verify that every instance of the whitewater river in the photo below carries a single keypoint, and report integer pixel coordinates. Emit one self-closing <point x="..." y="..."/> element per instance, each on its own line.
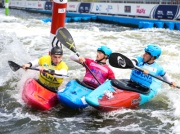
<point x="24" y="37"/>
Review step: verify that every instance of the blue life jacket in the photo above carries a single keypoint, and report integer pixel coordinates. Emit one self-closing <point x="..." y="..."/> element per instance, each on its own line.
<point x="143" y="79"/>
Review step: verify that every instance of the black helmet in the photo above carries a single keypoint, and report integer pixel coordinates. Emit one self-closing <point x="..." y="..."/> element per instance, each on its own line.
<point x="56" y="51"/>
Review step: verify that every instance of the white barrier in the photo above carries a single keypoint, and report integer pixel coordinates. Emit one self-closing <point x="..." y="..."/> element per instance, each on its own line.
<point x="126" y="9"/>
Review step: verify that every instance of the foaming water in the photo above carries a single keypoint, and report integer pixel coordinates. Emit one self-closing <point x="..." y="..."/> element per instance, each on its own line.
<point x="23" y="39"/>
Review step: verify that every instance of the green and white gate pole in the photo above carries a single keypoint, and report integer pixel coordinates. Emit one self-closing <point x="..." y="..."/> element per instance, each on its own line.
<point x="6" y="7"/>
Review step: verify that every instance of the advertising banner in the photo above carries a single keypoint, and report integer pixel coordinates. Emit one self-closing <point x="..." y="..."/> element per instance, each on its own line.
<point x="48" y="6"/>
<point x="84" y="7"/>
<point x="72" y="6"/>
<point x="105" y="8"/>
<point x="165" y="12"/>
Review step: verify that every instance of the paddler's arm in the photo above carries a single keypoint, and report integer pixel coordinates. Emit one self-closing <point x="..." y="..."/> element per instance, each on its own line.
<point x="60" y="72"/>
<point x="34" y="63"/>
<point x="167" y="78"/>
<point x="77" y="59"/>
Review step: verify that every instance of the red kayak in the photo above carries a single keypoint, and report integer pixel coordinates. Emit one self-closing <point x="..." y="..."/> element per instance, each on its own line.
<point x="120" y="99"/>
<point x="38" y="97"/>
<point x="117" y="94"/>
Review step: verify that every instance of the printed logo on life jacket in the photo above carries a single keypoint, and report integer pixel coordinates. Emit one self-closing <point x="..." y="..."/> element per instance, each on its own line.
<point x="142" y="75"/>
<point x="47" y="76"/>
<point x="45" y="65"/>
<point x="99" y="67"/>
<point x="98" y="73"/>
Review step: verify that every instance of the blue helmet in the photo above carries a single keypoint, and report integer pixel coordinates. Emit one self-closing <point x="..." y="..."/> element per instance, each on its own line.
<point x="106" y="50"/>
<point x="153" y="50"/>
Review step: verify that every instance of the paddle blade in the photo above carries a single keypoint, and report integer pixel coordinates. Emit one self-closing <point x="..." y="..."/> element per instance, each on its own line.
<point x="120" y="61"/>
<point x="65" y="38"/>
<point x="14" y="66"/>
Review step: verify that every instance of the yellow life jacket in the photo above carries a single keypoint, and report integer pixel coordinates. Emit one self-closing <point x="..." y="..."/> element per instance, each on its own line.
<point x="49" y="80"/>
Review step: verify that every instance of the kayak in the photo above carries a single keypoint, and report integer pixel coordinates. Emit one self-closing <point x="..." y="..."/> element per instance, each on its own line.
<point x="73" y="95"/>
<point x="38" y="97"/>
<point x="117" y="94"/>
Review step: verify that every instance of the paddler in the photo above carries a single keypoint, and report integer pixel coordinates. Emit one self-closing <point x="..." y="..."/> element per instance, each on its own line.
<point x="98" y="67"/>
<point x="148" y="62"/>
<point x="54" y="64"/>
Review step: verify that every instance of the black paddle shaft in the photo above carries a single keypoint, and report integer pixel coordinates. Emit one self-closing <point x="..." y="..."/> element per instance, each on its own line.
<point x="14" y="66"/>
<point x="66" y="39"/>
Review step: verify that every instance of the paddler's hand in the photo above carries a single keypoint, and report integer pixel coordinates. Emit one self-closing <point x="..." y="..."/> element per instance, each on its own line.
<point x="173" y="84"/>
<point x="81" y="60"/>
<point x="42" y="70"/>
<point x="146" y="72"/>
<point x="52" y="72"/>
<point x="49" y="71"/>
<point x="25" y="66"/>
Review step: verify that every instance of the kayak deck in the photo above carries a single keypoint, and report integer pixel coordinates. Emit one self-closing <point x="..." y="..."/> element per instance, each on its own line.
<point x="107" y="97"/>
<point x="38" y="97"/>
<point x="73" y="95"/>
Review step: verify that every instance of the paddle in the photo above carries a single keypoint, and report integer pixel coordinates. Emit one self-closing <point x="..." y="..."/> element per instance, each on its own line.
<point x="14" y="66"/>
<point x="120" y="61"/>
<point x="66" y="39"/>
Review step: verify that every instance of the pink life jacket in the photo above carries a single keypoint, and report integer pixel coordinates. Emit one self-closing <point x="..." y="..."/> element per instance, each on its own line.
<point x="102" y="73"/>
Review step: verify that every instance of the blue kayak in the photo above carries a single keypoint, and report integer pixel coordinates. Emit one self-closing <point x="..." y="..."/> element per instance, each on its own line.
<point x="117" y="94"/>
<point x="73" y="95"/>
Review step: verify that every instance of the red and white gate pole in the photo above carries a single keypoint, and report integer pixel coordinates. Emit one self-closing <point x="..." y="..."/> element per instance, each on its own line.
<point x="58" y="18"/>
